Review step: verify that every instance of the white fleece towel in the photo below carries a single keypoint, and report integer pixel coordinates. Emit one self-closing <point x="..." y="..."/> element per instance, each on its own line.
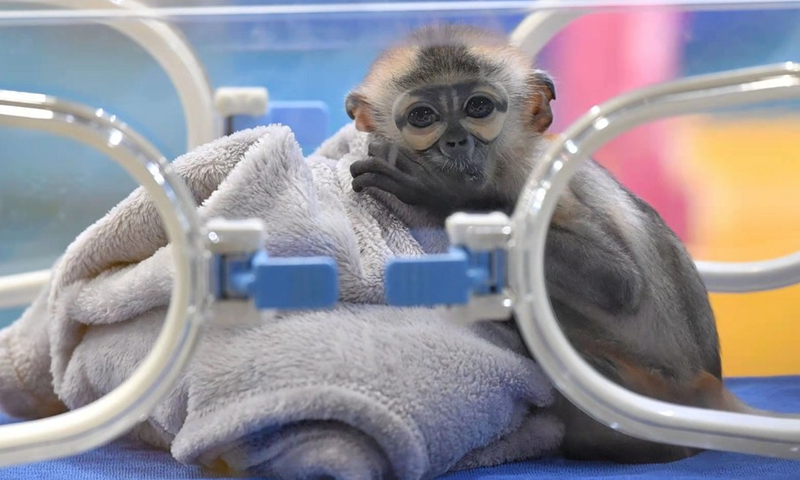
<point x="359" y="391"/>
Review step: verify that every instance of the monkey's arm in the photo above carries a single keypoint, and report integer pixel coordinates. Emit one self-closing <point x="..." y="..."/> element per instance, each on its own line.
<point x="586" y="266"/>
<point x="587" y="262"/>
<point x="415" y="182"/>
<point x="590" y="248"/>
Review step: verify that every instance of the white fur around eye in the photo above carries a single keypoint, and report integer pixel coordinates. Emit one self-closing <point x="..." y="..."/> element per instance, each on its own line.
<point x="425" y="138"/>
<point x="417" y="138"/>
<point x="488" y="128"/>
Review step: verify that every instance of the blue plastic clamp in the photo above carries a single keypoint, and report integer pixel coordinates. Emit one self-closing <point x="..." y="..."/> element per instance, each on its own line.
<point x="276" y="283"/>
<point x="308" y="119"/>
<point x="445" y="279"/>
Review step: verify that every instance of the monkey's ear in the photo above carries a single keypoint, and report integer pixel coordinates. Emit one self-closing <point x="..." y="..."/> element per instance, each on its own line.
<point x="542" y="92"/>
<point x="358" y="109"/>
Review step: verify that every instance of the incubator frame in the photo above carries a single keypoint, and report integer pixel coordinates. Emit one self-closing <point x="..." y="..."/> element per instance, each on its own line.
<point x="117" y="412"/>
<point x="173" y="53"/>
<point x="168" y="47"/>
<point x="22" y="288"/>
<point x="538" y="28"/>
<point x="602" y="399"/>
<point x="112" y="415"/>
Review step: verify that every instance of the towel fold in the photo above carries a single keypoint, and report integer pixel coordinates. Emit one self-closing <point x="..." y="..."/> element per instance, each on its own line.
<point x="358" y="391"/>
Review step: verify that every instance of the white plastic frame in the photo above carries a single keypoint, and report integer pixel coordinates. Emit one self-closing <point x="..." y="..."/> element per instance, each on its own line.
<point x="538" y="28"/>
<point x="21" y="289"/>
<point x="172" y="52"/>
<point x="600" y="398"/>
<point x="193" y="13"/>
<point x="114" y="414"/>
<point x="531" y="35"/>
<point x="169" y="48"/>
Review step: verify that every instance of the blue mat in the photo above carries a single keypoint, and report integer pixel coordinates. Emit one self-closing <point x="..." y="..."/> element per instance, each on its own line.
<point x="125" y="460"/>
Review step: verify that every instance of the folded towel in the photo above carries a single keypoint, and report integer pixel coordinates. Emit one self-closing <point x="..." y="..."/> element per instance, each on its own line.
<point x="359" y="391"/>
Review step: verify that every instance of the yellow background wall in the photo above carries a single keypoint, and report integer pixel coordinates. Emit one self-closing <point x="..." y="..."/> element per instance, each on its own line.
<point x="743" y="180"/>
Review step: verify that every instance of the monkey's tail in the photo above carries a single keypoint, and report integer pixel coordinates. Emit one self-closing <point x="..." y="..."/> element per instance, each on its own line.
<point x="708" y="391"/>
<point x="731" y="403"/>
<point x="704" y="390"/>
<point x="701" y="390"/>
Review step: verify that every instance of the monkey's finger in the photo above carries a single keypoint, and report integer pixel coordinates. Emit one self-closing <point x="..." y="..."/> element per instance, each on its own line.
<point x="405" y="193"/>
<point x="379" y="149"/>
<point x="375" y="180"/>
<point x="391" y="154"/>
<point x="372" y="165"/>
<point x="412" y="165"/>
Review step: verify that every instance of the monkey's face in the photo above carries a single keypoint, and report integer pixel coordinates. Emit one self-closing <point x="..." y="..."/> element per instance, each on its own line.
<point x="460" y="99"/>
<point x="453" y="126"/>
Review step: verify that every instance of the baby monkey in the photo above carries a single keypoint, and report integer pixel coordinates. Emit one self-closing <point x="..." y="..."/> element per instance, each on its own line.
<point x="457" y="117"/>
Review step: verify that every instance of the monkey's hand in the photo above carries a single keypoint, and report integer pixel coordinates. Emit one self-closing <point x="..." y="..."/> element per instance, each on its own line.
<point x="416" y="182"/>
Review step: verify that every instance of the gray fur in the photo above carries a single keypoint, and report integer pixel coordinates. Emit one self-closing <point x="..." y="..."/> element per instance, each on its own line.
<point x="622" y="285"/>
<point x="360" y="391"/>
<point x="620" y="266"/>
<point x="443" y="57"/>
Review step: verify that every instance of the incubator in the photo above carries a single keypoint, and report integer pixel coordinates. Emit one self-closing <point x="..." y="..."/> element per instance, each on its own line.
<point x="691" y="104"/>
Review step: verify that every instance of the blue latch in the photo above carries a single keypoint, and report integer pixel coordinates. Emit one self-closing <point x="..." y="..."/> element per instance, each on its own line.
<point x="470" y="276"/>
<point x="445" y="279"/>
<point x="469" y="281"/>
<point x="280" y="283"/>
<point x="241" y="269"/>
<point x="308" y="119"/>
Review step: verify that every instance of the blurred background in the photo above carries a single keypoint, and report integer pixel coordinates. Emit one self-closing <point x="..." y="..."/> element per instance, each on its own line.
<point x="727" y="182"/>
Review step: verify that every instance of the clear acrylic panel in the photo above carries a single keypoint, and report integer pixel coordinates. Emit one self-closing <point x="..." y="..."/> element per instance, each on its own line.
<point x="725" y="180"/>
<point x="692" y="169"/>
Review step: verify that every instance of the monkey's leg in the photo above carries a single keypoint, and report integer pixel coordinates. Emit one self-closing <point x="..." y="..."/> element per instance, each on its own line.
<point x="590" y="267"/>
<point x="587" y="439"/>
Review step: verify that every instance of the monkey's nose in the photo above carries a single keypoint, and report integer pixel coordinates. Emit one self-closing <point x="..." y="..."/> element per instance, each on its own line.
<point x="457" y="147"/>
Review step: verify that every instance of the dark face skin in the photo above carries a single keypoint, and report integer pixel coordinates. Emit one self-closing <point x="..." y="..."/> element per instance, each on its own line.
<point x="453" y="126"/>
<point x="448" y="133"/>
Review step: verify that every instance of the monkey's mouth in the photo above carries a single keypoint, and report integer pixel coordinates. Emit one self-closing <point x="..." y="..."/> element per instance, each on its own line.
<point x="466" y="167"/>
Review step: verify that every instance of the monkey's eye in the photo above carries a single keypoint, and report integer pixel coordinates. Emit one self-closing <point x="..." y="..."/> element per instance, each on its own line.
<point x="423" y="116"/>
<point x="479" y="107"/>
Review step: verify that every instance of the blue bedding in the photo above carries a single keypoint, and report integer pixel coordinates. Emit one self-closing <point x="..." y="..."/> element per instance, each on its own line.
<point x="126" y="460"/>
